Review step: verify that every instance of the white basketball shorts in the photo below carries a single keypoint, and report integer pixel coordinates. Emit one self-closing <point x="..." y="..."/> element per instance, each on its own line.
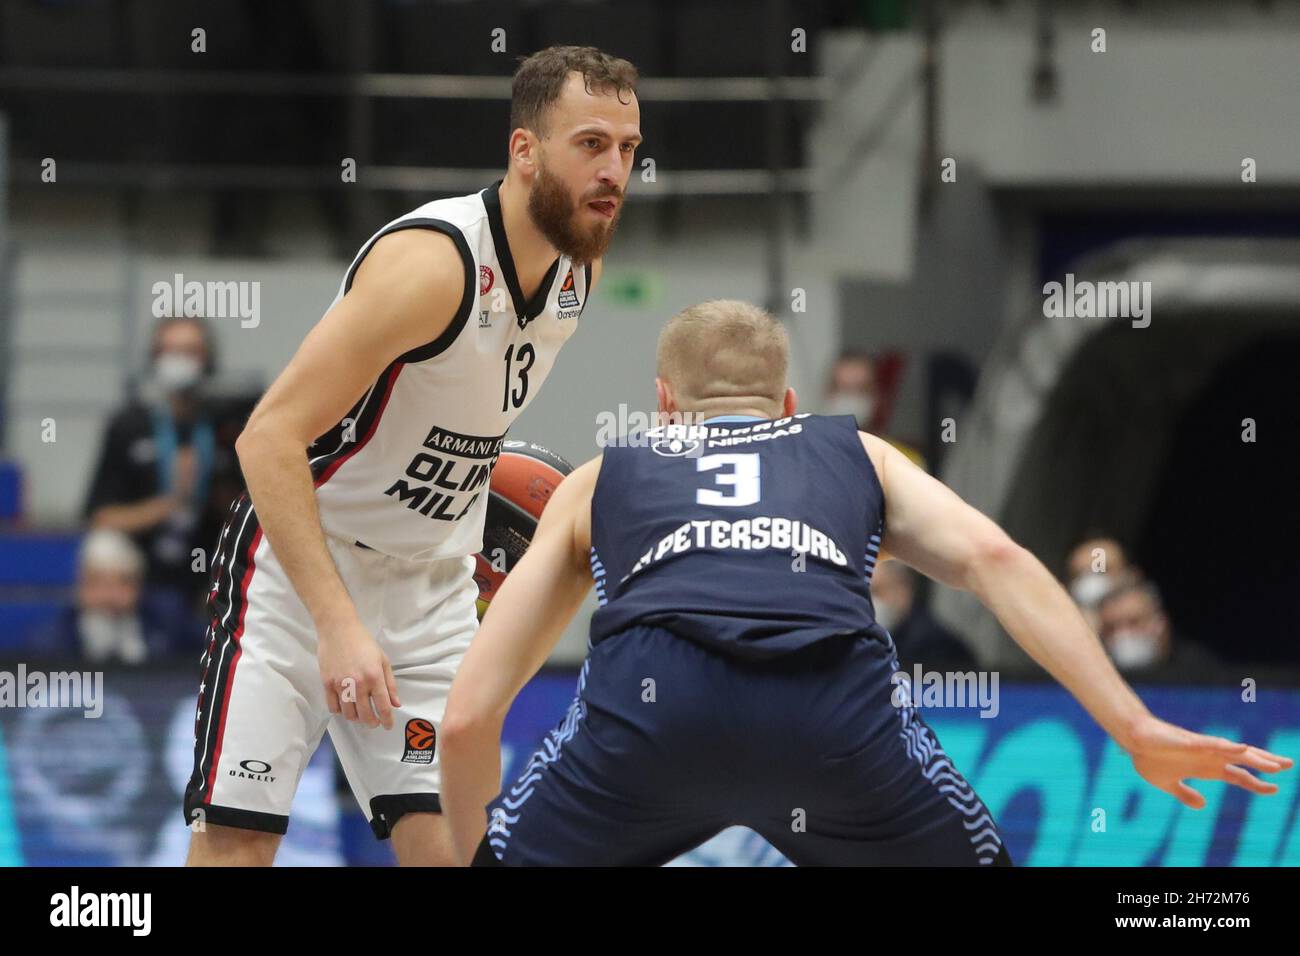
<point x="262" y="708"/>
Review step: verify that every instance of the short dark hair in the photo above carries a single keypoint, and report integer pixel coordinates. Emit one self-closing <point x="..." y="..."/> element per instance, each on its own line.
<point x="540" y="80"/>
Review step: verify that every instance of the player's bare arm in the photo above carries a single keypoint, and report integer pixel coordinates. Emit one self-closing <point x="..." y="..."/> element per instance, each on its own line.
<point x="524" y="622"/>
<point x="930" y="528"/>
<point x="404" y="295"/>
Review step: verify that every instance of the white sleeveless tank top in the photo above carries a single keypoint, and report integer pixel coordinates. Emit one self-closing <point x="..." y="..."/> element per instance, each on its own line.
<point x="406" y="471"/>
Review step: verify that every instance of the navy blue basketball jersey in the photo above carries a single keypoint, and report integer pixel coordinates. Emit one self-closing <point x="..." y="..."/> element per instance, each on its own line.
<point x="754" y="536"/>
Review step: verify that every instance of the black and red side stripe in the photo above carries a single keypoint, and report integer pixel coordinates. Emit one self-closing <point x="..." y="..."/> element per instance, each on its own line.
<point x="232" y="574"/>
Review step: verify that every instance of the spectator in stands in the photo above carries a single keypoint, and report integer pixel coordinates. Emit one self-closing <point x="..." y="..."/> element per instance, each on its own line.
<point x="167" y="469"/>
<point x="1095" y="566"/>
<point x="853" y="388"/>
<point x="1138" y="637"/>
<point x="918" y="635"/>
<point x="111" y="620"/>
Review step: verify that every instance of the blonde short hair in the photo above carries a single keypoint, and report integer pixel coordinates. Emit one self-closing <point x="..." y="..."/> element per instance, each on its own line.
<point x="724" y="352"/>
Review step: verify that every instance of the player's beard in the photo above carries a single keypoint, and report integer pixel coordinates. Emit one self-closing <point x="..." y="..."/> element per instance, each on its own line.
<point x="556" y="216"/>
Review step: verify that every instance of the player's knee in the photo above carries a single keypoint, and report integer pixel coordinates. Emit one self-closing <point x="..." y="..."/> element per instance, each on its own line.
<point x="232" y="846"/>
<point x="423" y="839"/>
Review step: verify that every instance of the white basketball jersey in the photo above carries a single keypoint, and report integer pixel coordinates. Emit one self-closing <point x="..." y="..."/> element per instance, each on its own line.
<point x="406" y="471"/>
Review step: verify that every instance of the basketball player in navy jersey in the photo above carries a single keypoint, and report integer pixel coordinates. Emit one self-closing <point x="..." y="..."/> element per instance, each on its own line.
<point x="736" y="674"/>
<point x="342" y="589"/>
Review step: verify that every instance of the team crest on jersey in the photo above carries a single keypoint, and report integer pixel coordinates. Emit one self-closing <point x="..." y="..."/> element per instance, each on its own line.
<point x="485" y="280"/>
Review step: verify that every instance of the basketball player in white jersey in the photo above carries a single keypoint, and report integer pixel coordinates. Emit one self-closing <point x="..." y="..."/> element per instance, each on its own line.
<point x="342" y="591"/>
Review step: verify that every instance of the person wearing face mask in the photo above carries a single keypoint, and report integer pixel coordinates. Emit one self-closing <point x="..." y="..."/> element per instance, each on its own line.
<point x="112" y="621"/>
<point x="1095" y="566"/>
<point x="918" y="635"/>
<point x="853" y="388"/>
<point x="163" y="462"/>
<point x="1137" y="635"/>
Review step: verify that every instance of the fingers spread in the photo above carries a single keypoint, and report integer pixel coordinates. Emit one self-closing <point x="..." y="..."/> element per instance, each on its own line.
<point x="1247" y="780"/>
<point x="1260" y="760"/>
<point x="1188" y="796"/>
<point x="1223" y="745"/>
<point x="1283" y="763"/>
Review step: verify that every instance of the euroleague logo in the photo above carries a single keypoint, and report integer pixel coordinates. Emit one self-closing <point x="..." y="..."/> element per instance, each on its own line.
<point x="485" y="279"/>
<point x="567" y="305"/>
<point x="568" y="295"/>
<point x="421" y="739"/>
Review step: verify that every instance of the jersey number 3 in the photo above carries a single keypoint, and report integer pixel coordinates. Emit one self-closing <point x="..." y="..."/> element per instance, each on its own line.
<point x="740" y="482"/>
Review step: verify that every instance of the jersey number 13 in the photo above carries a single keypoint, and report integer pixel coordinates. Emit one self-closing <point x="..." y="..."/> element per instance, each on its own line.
<point x="517" y="365"/>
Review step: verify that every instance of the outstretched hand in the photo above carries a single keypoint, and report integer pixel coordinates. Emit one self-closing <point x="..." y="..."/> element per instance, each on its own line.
<point x="1164" y="754"/>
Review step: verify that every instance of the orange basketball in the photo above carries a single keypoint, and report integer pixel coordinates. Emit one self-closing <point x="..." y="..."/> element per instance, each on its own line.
<point x="523" y="479"/>
<point x="420" y="734"/>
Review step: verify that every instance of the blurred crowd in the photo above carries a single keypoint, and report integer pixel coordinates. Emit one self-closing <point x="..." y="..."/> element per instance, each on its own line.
<point x="1119" y="602"/>
<point x="854" y="387"/>
<point x="165" y="476"/>
<point x="1123" y="606"/>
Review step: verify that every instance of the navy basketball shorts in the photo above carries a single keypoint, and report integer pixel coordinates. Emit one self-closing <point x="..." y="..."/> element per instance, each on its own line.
<point x="669" y="742"/>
